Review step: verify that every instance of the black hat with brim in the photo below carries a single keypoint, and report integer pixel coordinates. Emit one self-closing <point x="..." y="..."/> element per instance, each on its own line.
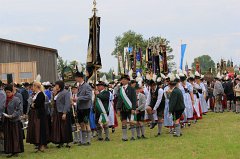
<point x="101" y="83"/>
<point x="125" y="77"/>
<point x="151" y="82"/>
<point x="191" y="79"/>
<point x="183" y="78"/>
<point x="79" y="74"/>
<point x="173" y="83"/>
<point x="197" y="77"/>
<point x="133" y="81"/>
<point x="74" y="86"/>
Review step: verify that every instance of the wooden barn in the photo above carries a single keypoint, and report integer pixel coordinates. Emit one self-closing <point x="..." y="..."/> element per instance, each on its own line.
<point x="22" y="62"/>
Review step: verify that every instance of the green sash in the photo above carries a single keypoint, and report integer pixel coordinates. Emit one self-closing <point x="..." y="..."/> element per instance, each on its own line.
<point x="126" y="100"/>
<point x="103" y="114"/>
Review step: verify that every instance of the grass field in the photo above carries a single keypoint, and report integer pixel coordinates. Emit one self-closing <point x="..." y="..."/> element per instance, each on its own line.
<point x="217" y="136"/>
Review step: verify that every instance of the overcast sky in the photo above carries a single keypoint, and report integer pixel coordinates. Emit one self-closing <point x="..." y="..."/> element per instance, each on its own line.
<point x="207" y="26"/>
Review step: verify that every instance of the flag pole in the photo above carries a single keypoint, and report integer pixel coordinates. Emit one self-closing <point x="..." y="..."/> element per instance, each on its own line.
<point x="94" y="46"/>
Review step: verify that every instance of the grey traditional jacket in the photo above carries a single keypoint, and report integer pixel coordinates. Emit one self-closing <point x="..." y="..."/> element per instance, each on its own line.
<point x="19" y="95"/>
<point x="14" y="109"/>
<point x="218" y="89"/>
<point x="63" y="101"/>
<point x="141" y="102"/>
<point x="2" y="101"/>
<point x="84" y="96"/>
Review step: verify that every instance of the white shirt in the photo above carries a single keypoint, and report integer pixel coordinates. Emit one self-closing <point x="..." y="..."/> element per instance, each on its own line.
<point x="125" y="86"/>
<point x="159" y="98"/>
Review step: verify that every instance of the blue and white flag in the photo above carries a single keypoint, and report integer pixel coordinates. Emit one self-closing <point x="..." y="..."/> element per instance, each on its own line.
<point x="183" y="49"/>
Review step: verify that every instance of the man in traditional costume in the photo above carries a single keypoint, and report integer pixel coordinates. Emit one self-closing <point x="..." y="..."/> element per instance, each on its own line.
<point x="218" y="92"/>
<point x="126" y="106"/>
<point x="176" y="105"/>
<point x="102" y="110"/>
<point x="84" y="102"/>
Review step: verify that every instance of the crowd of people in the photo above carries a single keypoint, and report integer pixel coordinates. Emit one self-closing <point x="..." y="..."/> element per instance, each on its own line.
<point x="63" y="114"/>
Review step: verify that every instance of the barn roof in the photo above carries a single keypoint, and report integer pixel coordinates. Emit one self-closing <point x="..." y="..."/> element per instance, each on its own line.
<point x="29" y="45"/>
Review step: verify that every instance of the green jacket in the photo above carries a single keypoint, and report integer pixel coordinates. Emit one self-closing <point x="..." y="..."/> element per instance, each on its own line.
<point x="104" y="97"/>
<point x="131" y="93"/>
<point x="176" y="101"/>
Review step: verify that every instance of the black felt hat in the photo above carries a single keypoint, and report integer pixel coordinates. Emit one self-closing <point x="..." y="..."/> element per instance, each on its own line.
<point x="79" y="74"/>
<point x="125" y="77"/>
<point x="101" y="83"/>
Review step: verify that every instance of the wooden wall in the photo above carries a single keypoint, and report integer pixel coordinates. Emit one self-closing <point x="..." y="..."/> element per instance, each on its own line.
<point x="16" y="69"/>
<point x="45" y="58"/>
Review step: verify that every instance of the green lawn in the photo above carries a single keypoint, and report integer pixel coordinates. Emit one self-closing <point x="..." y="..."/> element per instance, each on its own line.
<point x="215" y="136"/>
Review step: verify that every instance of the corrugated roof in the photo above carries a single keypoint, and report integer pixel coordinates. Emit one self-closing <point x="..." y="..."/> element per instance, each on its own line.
<point x="29" y="45"/>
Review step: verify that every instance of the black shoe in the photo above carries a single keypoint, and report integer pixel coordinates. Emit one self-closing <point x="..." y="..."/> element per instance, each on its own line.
<point x="132" y="139"/>
<point x="182" y="126"/>
<point x="113" y="130"/>
<point x="100" y="139"/>
<point x="68" y="146"/>
<point x="59" y="146"/>
<point x="189" y="124"/>
<point x="107" y="139"/>
<point x="124" y="140"/>
<point x="138" y="137"/>
<point x="153" y="125"/>
<point x="175" y="135"/>
<point x="85" y="144"/>
<point x="80" y="144"/>
<point x="158" y="134"/>
<point x="143" y="137"/>
<point x="13" y="155"/>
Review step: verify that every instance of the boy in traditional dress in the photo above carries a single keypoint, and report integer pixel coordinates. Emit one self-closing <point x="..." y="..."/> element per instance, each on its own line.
<point x="77" y="134"/>
<point x="102" y="110"/>
<point x="140" y="111"/>
<point x="126" y="106"/>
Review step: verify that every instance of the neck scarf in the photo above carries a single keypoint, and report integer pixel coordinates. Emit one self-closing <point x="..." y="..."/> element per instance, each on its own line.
<point x="8" y="100"/>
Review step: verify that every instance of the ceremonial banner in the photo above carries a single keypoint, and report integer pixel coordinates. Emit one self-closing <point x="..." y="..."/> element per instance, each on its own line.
<point x="127" y="51"/>
<point x="120" y="60"/>
<point x="139" y="61"/>
<point x="93" y="55"/>
<point x="183" y="49"/>
<point x="68" y="74"/>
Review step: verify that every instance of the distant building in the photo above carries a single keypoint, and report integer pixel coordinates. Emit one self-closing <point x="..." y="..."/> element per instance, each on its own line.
<point x="22" y="62"/>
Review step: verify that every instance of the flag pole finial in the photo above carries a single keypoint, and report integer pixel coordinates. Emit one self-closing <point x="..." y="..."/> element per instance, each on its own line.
<point x="94" y="6"/>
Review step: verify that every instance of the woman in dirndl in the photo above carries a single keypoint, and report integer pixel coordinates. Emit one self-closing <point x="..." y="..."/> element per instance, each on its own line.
<point x="36" y="131"/>
<point x="12" y="129"/>
<point x="196" y="104"/>
<point x="61" y="119"/>
<point x="188" y="97"/>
